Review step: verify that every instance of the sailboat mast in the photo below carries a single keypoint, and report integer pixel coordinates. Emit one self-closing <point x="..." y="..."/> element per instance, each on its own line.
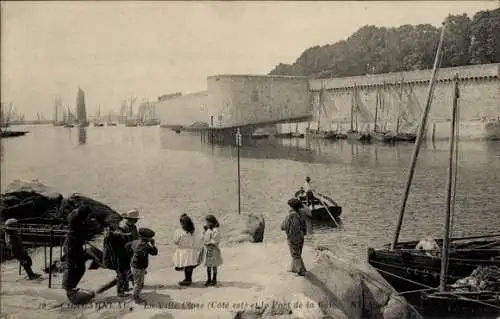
<point x="449" y="184"/>
<point x="400" y="105"/>
<point x="376" y="110"/>
<point x="352" y="108"/>
<point x="420" y="137"/>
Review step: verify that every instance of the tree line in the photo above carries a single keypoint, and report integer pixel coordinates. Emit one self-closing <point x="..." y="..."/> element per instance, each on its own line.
<point x="372" y="50"/>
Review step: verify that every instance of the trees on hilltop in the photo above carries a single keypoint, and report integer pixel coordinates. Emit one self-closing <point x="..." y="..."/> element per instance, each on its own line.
<point x="372" y="49"/>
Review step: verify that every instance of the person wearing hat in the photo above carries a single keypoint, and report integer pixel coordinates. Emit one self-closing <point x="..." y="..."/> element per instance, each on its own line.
<point x="116" y="255"/>
<point x="141" y="248"/>
<point x="131" y="218"/>
<point x="129" y="226"/>
<point x="295" y="227"/>
<point x="15" y="243"/>
<point x="309" y="192"/>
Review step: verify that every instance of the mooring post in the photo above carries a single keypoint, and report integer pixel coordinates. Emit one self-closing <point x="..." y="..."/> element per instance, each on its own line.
<point x="212" y="128"/>
<point x="45" y="255"/>
<point x="238" y="144"/>
<point x="50" y="256"/>
<point x="433" y="132"/>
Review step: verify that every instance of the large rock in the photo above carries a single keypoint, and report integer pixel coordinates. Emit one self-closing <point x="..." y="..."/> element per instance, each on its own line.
<point x="27" y="204"/>
<point x="336" y="286"/>
<point x="101" y="212"/>
<point x="30" y="186"/>
<point x="246" y="227"/>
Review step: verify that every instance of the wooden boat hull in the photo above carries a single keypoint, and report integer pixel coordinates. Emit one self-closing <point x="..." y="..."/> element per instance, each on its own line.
<point x="259" y="137"/>
<point x="7" y="134"/>
<point x="407" y="137"/>
<point x="341" y="136"/>
<point x="383" y="137"/>
<point x="404" y="264"/>
<point x="359" y="137"/>
<point x="319" y="213"/>
<point x="327" y="135"/>
<point x="460" y="305"/>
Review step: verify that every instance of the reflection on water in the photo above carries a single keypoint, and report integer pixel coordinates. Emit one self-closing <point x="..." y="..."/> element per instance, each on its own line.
<point x="82" y="135"/>
<point x="164" y="174"/>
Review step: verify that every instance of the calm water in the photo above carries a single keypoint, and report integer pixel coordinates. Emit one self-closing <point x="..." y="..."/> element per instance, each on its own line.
<point x="164" y="174"/>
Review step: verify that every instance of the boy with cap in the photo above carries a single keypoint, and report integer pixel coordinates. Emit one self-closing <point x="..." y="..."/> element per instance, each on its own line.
<point x="15" y="243"/>
<point x="141" y="248"/>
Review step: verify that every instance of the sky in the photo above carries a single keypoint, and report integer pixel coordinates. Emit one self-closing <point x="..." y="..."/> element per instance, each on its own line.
<point x="116" y="50"/>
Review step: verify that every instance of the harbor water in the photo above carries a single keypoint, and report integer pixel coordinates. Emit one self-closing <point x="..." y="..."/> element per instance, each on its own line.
<point x="164" y="174"/>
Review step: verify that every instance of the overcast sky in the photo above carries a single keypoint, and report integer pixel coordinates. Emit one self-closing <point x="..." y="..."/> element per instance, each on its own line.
<point x="114" y="50"/>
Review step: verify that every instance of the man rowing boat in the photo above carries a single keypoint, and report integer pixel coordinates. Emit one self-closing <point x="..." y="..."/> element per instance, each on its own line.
<point x="309" y="192"/>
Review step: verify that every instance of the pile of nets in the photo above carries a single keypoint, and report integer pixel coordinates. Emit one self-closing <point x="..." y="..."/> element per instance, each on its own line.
<point x="483" y="278"/>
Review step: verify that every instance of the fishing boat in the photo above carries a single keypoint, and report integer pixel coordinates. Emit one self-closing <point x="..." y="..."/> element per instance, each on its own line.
<point x="325" y="208"/>
<point x="376" y="134"/>
<point x="424" y="270"/>
<point x="353" y="134"/>
<point x="260" y="134"/>
<point x="131" y="120"/>
<point x="7" y="133"/>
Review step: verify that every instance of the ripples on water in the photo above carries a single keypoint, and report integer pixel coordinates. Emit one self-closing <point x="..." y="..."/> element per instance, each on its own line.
<point x="164" y="174"/>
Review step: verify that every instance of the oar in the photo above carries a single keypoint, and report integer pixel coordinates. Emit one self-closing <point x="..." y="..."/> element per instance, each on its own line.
<point x="326" y="207"/>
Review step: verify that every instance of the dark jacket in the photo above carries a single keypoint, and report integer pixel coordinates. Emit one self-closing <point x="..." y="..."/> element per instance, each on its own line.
<point x="76" y="236"/>
<point x="132" y="229"/>
<point x="141" y="251"/>
<point x="295" y="227"/>
<point x="115" y="253"/>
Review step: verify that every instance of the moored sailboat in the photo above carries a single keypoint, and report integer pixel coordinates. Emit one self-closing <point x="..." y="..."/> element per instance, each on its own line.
<point x="353" y="134"/>
<point x="419" y="268"/>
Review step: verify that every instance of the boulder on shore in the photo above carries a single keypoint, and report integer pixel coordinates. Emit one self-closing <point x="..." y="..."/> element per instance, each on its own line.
<point x="247" y="227"/>
<point x="101" y="212"/>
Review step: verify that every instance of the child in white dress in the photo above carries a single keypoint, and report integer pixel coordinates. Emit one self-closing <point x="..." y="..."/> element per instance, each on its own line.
<point x="187" y="253"/>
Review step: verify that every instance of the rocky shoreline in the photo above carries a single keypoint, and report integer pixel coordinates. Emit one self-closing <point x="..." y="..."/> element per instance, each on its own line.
<point x="254" y="283"/>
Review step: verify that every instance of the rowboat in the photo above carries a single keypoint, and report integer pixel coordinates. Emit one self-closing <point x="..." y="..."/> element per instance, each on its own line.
<point x="324" y="208"/>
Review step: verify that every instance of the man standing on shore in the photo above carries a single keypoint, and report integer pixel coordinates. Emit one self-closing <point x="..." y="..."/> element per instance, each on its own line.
<point x="15" y="243"/>
<point x="75" y="254"/>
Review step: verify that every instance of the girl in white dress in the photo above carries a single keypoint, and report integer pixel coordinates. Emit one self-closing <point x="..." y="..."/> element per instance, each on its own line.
<point x="187" y="253"/>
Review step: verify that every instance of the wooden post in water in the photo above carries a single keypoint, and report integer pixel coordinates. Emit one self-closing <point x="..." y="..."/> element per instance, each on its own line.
<point x="420" y="135"/>
<point x="50" y="256"/>
<point x="449" y="182"/>
<point x="238" y="144"/>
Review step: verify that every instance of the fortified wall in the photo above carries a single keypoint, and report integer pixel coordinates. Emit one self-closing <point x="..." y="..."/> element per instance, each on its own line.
<point x="479" y="87"/>
<point x="254" y="100"/>
<point x="240" y="100"/>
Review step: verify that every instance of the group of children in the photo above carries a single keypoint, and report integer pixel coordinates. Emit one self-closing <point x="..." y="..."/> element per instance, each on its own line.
<point x="193" y="251"/>
<point x="126" y="250"/>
